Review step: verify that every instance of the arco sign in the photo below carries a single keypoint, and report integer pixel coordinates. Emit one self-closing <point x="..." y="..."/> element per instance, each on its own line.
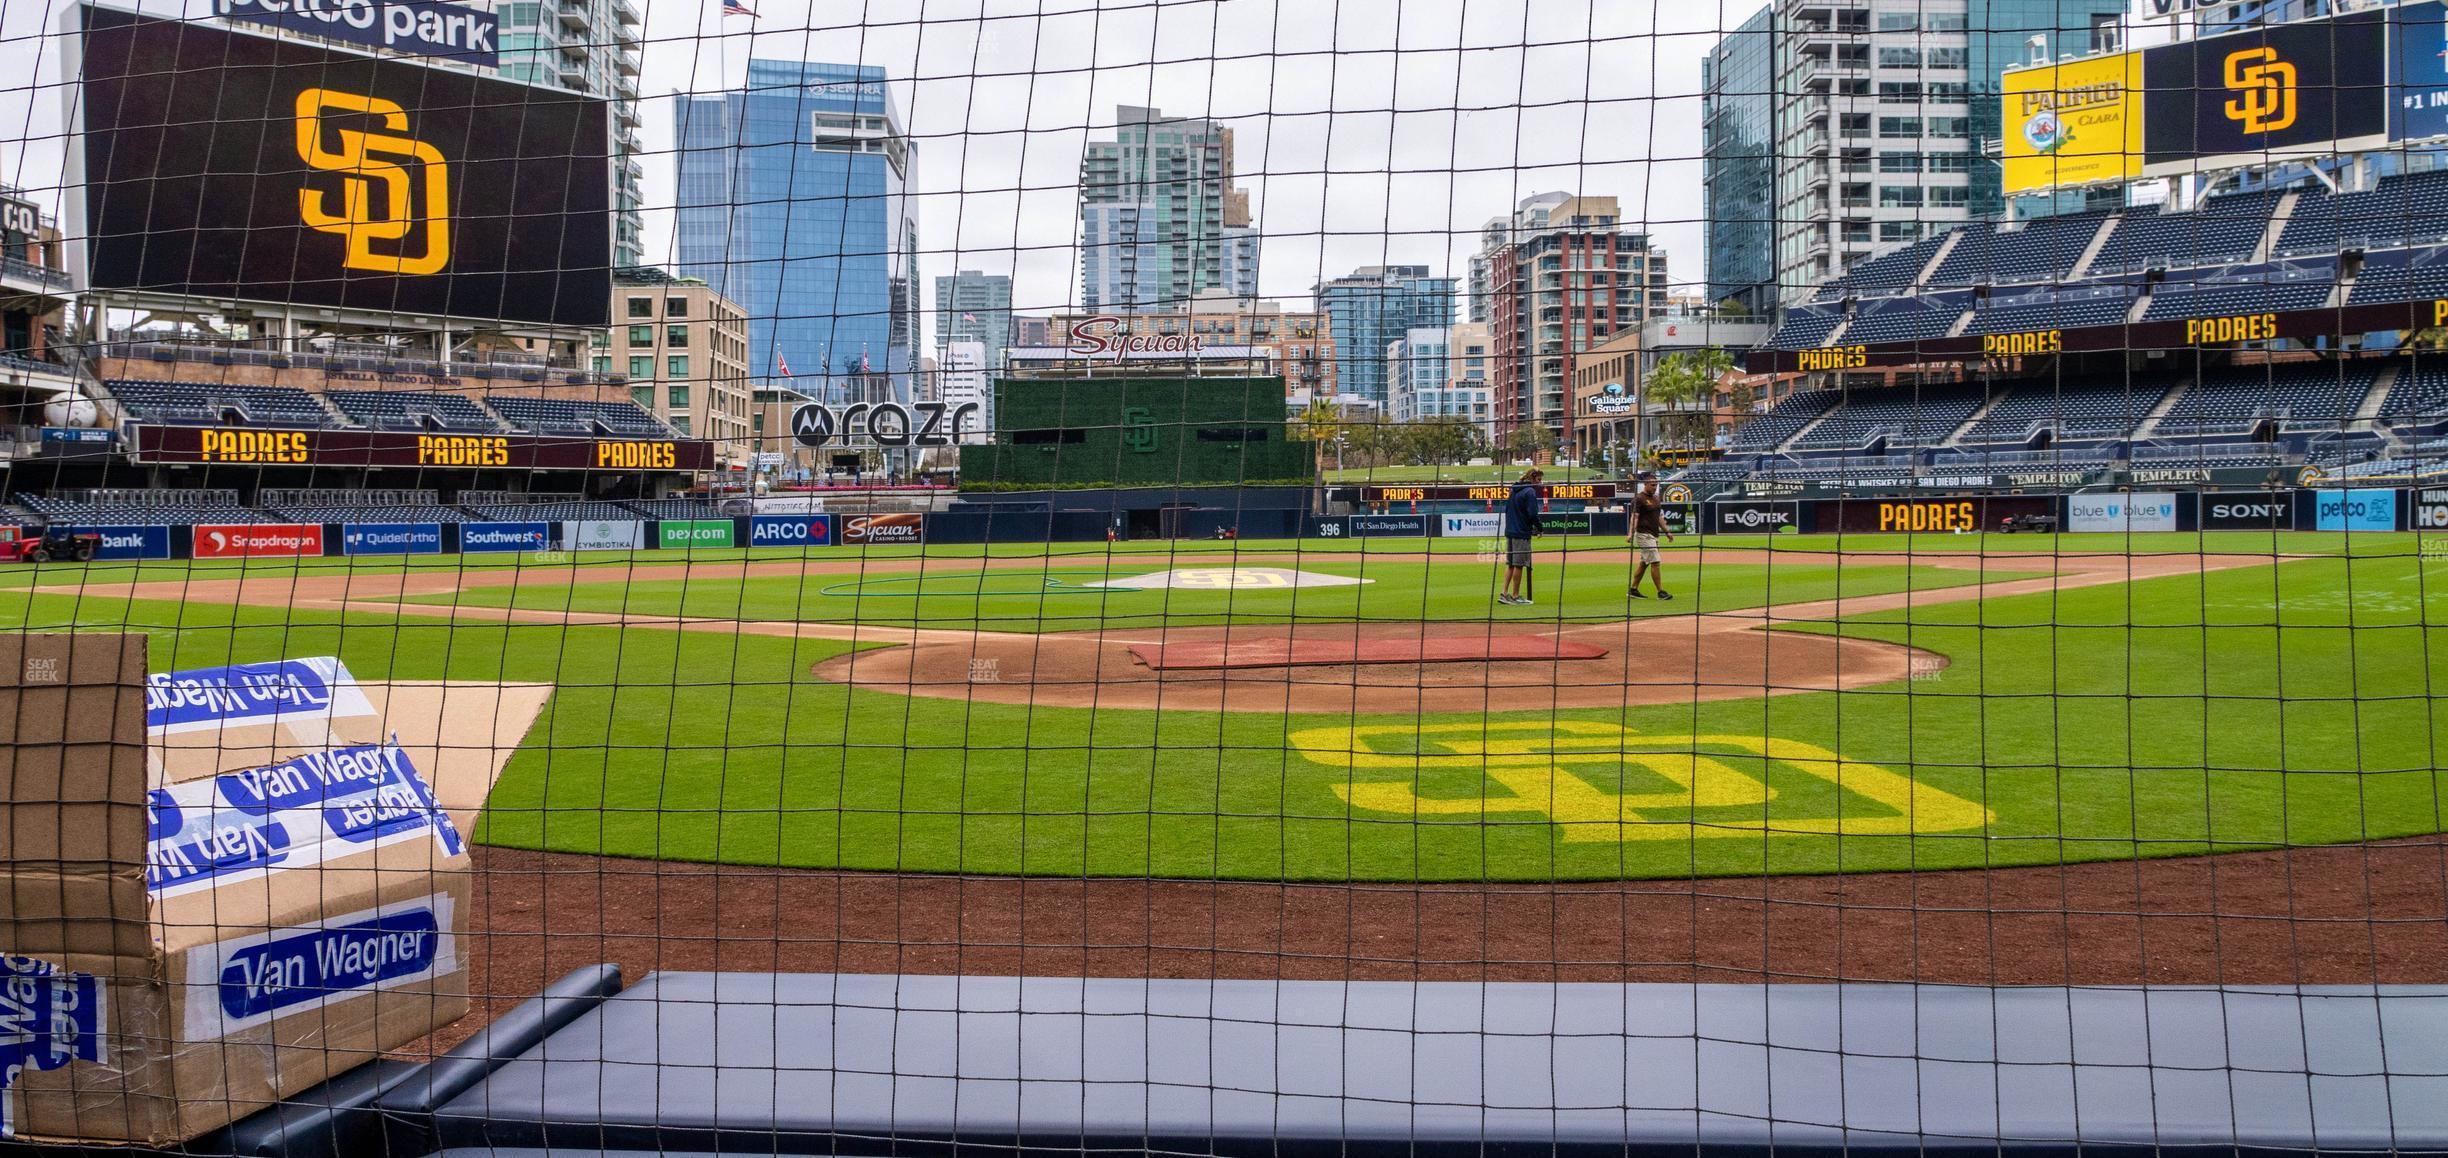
<point x="886" y="424"/>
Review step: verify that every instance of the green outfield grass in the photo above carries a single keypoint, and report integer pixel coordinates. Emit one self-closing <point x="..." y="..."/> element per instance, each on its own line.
<point x="2178" y="715"/>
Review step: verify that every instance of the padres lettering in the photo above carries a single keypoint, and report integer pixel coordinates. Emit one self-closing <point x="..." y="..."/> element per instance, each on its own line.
<point x="462" y="450"/>
<point x="2237" y="328"/>
<point x="2029" y="342"/>
<point x="2265" y="90"/>
<point x="1835" y="358"/>
<point x="360" y="159"/>
<point x="1925" y="516"/>
<point x="251" y="445"/>
<point x="636" y="455"/>
<point x="2439" y="311"/>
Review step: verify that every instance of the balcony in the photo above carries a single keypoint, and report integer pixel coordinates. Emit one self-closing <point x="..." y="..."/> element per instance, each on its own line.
<point x="20" y="275"/>
<point x="626" y="15"/>
<point x="570" y="16"/>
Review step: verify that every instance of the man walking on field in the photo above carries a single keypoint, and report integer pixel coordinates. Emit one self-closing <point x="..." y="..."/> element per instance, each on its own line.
<point x="1520" y="523"/>
<point x="1648" y="522"/>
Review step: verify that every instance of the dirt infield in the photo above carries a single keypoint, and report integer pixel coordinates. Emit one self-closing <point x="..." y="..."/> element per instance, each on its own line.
<point x="2357" y="914"/>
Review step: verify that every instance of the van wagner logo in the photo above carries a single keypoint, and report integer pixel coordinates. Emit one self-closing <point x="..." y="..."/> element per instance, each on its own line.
<point x="380" y="172"/>
<point x="2265" y="90"/>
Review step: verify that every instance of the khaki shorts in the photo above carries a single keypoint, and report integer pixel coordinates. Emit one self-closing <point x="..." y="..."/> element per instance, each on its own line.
<point x="1647" y="546"/>
<point x="1517" y="552"/>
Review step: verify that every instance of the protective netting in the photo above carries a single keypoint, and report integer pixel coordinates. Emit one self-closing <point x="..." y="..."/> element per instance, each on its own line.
<point x="1221" y="576"/>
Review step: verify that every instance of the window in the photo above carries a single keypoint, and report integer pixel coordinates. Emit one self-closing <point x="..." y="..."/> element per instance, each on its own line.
<point x="1899" y="162"/>
<point x="1900" y="196"/>
<point x="1893" y="92"/>
<point x="675" y="335"/>
<point x="1947" y="21"/>
<point x="641" y="335"/>
<point x="1899" y="128"/>
<point x="675" y="307"/>
<point x="641" y="366"/>
<point x="641" y="307"/>
<point x="1856" y="230"/>
<point x="1948" y="91"/>
<point x="679" y="397"/>
<point x="1898" y="21"/>
<point x="1899" y="58"/>
<point x="1899" y="231"/>
<point x="680" y="424"/>
<point x="1948" y="58"/>
<point x="677" y="365"/>
<point x="643" y="396"/>
<point x="1950" y="162"/>
<point x="1950" y="126"/>
<point x="1853" y="124"/>
<point x="1950" y="197"/>
<point x="603" y="363"/>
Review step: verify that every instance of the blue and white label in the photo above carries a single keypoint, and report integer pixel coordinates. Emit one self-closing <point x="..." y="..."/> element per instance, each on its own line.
<point x="128" y="542"/>
<point x="262" y="977"/>
<point x="478" y="538"/>
<point x="391" y="539"/>
<point x="298" y="812"/>
<point x="790" y="531"/>
<point x="49" y="1017"/>
<point x="282" y="691"/>
<point x="2355" y="510"/>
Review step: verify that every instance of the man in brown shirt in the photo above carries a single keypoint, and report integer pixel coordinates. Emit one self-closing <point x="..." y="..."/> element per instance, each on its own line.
<point x="1648" y="524"/>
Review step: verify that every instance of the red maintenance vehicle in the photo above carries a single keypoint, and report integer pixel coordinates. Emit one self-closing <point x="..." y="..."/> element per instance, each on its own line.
<point x="36" y="545"/>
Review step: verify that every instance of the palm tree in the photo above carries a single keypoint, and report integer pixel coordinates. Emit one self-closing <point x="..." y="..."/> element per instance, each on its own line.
<point x="1687" y="378"/>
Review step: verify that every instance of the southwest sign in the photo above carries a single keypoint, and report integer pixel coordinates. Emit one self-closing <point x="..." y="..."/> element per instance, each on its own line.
<point x="371" y="448"/>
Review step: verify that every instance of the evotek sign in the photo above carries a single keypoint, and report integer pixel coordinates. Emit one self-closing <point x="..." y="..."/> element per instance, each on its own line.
<point x="1753" y="518"/>
<point x="413" y="27"/>
<point x="888" y="424"/>
<point x="375" y="183"/>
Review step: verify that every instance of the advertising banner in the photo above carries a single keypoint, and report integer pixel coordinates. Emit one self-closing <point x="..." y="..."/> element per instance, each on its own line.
<point x="681" y="534"/>
<point x="2418" y="102"/>
<point x="1329" y="527"/>
<point x="2073" y="123"/>
<point x="790" y="531"/>
<point x="604" y="534"/>
<point x="1375" y="526"/>
<point x="257" y="540"/>
<point x="129" y="542"/>
<point x="1566" y="522"/>
<point x="364" y="448"/>
<point x="2430" y="509"/>
<point x="480" y="538"/>
<point x="2310" y="88"/>
<point x="407" y="27"/>
<point x="2355" y="510"/>
<point x="374" y="183"/>
<point x="391" y="539"/>
<point x="2248" y="511"/>
<point x="871" y="530"/>
<point x="2146" y="511"/>
<point x="1753" y="518"/>
<point x="1925" y="516"/>
<point x="1475" y="524"/>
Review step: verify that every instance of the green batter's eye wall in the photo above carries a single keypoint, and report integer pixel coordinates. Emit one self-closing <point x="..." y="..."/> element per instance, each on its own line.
<point x="1139" y="432"/>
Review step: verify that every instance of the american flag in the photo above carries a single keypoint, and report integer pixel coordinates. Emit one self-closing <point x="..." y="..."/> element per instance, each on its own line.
<point x="785" y="362"/>
<point x="735" y="8"/>
<point x="968" y="317"/>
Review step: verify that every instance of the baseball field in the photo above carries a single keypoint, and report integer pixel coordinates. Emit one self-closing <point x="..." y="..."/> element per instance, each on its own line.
<point x="1365" y="712"/>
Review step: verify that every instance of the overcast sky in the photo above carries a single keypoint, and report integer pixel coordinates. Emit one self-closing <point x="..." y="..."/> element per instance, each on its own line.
<point x="1368" y="131"/>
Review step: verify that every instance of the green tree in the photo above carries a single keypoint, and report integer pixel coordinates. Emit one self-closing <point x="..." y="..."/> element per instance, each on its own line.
<point x="1444" y="439"/>
<point x="1686" y="382"/>
<point x="1529" y="440"/>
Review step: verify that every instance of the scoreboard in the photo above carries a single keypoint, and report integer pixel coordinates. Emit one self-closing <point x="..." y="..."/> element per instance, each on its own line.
<point x="1591" y="492"/>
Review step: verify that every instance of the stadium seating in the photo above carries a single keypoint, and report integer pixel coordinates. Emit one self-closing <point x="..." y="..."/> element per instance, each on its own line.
<point x="2220" y="231"/>
<point x="2420" y="395"/>
<point x="369" y="514"/>
<point x="215" y="404"/>
<point x="1905" y="320"/>
<point x="1803" y="329"/>
<point x="2102" y="306"/>
<point x="2266" y="291"/>
<point x="1903" y="416"/>
<point x="2075" y="412"/>
<point x="2402" y="210"/>
<point x="1896" y="269"/>
<point x="2302" y="395"/>
<point x="675" y="508"/>
<point x="552" y="512"/>
<point x="411" y="410"/>
<point x="584" y="419"/>
<point x="74" y="512"/>
<point x="1792" y="413"/>
<point x="2393" y="278"/>
<point x="2041" y="250"/>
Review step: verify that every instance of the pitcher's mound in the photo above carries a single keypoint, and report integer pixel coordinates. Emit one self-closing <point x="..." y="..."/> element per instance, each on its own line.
<point x="1299" y="651"/>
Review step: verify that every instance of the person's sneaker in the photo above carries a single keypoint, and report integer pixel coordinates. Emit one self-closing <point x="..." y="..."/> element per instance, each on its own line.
<point x="1635" y="593"/>
<point x="1663" y="595"/>
<point x="1508" y="599"/>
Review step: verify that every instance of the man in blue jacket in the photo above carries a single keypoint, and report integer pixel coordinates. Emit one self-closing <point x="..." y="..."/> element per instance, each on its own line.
<point x="1521" y="521"/>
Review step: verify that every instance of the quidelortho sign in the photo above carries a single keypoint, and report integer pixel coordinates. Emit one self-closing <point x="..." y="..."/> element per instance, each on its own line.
<point x="2120" y="511"/>
<point x="412" y="27"/>
<point x="604" y="534"/>
<point x="391" y="539"/>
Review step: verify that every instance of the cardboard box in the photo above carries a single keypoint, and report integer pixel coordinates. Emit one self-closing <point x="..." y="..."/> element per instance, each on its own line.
<point x="221" y="887"/>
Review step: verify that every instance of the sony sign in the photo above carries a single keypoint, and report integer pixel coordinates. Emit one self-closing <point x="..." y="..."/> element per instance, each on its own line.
<point x="886" y="423"/>
<point x="1106" y="336"/>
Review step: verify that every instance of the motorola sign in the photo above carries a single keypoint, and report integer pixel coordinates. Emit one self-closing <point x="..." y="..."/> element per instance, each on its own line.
<point x="887" y="424"/>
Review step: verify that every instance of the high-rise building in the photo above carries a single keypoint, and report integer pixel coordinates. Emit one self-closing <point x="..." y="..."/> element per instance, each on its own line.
<point x="1160" y="216"/>
<point x="794" y="202"/>
<point x="1373" y="307"/>
<point x="684" y="348"/>
<point x="1466" y="372"/>
<point x="588" y="46"/>
<point x="1529" y="217"/>
<point x="1738" y="164"/>
<point x="1423" y="386"/>
<point x="961" y="379"/>
<point x="1560" y="286"/>
<point x="974" y="307"/>
<point x="1888" y="118"/>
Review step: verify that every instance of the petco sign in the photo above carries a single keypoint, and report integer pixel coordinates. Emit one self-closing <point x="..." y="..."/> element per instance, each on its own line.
<point x="414" y="27"/>
<point x="2153" y="511"/>
<point x="2357" y="510"/>
<point x="255" y="541"/>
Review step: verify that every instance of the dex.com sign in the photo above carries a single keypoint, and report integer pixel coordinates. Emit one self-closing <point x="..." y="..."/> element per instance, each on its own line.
<point x="2356" y="510"/>
<point x="413" y="27"/>
<point x="2147" y="511"/>
<point x="679" y="534"/>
